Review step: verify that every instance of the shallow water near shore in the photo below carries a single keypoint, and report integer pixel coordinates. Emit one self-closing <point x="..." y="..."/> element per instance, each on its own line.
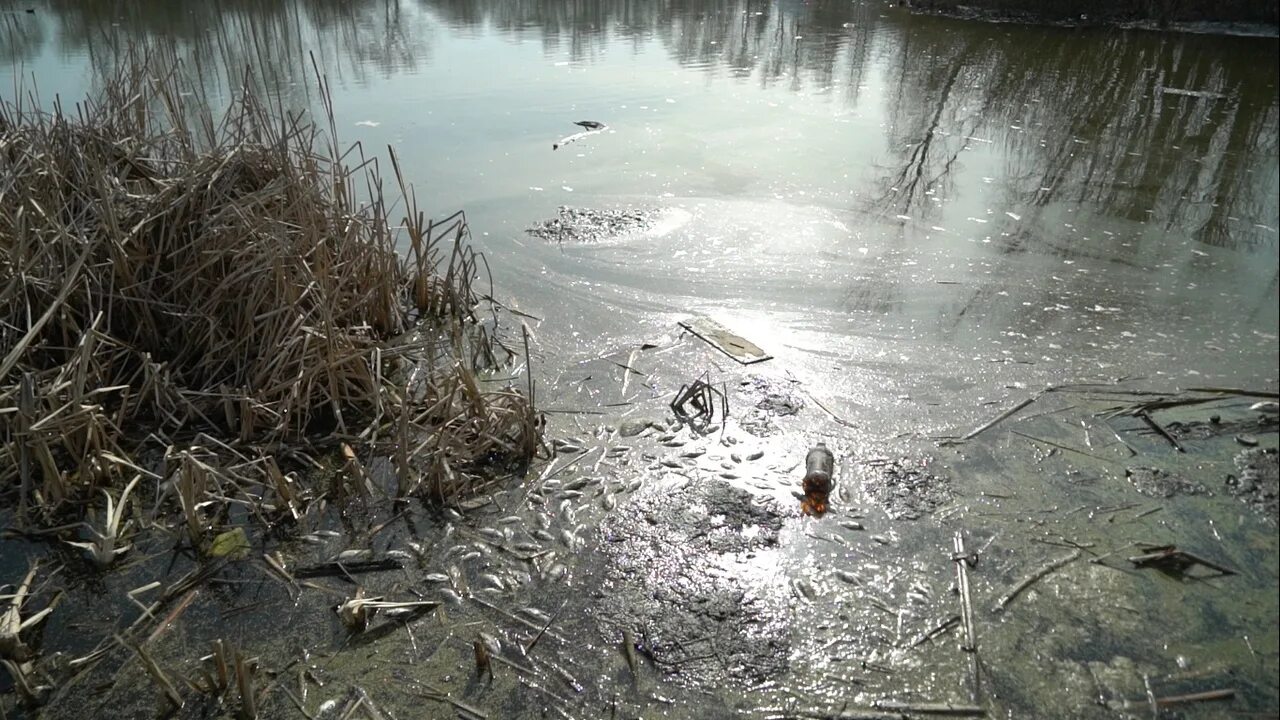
<point x="924" y="222"/>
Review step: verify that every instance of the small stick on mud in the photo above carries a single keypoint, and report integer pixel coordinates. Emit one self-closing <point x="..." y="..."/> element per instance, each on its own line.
<point x="1159" y="430"/>
<point x="1207" y="695"/>
<point x="962" y="561"/>
<point x="1035" y="577"/>
<point x="944" y="626"/>
<point x="1060" y="446"/>
<point x="1001" y="417"/>
<point x="948" y="709"/>
<point x="155" y="672"/>
<point x="538" y="637"/>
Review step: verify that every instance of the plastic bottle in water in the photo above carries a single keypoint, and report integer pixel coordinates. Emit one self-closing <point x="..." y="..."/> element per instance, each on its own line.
<point x="819" y="477"/>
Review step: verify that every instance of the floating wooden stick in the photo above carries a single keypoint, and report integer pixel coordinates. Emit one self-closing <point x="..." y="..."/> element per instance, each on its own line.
<point x="1207" y="695"/>
<point x="962" y="560"/>
<point x="1146" y="418"/>
<point x="1001" y="417"/>
<point x="1036" y="576"/>
<point x="949" y="709"/>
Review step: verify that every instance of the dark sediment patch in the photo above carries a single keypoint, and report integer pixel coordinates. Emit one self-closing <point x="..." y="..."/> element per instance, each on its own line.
<point x="767" y="399"/>
<point x="1258" y="484"/>
<point x="907" y="490"/>
<point x="1154" y="482"/>
<point x="688" y="574"/>
<point x="586" y="225"/>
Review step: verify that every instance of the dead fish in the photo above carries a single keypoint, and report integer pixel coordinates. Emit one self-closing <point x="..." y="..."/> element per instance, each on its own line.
<point x="537" y="499"/>
<point x="802" y="589"/>
<point x="880" y="539"/>
<point x="567" y="678"/>
<point x="556" y="572"/>
<point x="542" y="535"/>
<point x="609" y="502"/>
<point x="629" y="649"/>
<point x="569" y="494"/>
<point x="756" y="455"/>
<point x="436" y="577"/>
<point x="482" y="659"/>
<point x="729" y="475"/>
<point x="468" y="557"/>
<point x="352" y="556"/>
<point x="397" y="555"/>
<point x="851" y="525"/>
<point x="450" y="596"/>
<point x="578" y="483"/>
<point x="528" y="547"/>
<point x="328" y="709"/>
<point x="1269" y="406"/>
<point x="693" y="453"/>
<point x="734" y="457"/>
<point x="510" y="520"/>
<point x="491" y="643"/>
<point x="491" y="534"/>
<point x="847" y="577"/>
<point x="568" y="538"/>
<point x="534" y="614"/>
<point x="671" y="463"/>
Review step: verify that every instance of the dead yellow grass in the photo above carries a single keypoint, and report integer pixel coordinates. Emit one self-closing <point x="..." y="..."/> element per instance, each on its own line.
<point x="163" y="275"/>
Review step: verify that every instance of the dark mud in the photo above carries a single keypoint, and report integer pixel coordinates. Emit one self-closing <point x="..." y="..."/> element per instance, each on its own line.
<point x="588" y="225"/>
<point x="906" y="488"/>
<point x="1258" y="482"/>
<point x="676" y="573"/>
<point x="1154" y="482"/>
<point x="1217" y="426"/>
<point x="767" y="399"/>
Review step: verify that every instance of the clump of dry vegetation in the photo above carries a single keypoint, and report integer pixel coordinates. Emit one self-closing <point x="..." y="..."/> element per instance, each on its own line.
<point x="200" y="302"/>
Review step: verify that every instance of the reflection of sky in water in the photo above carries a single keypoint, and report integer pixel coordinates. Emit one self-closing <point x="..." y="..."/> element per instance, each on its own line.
<point x="919" y="204"/>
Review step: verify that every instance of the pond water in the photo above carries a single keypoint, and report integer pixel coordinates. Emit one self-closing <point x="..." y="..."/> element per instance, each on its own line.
<point x="905" y="197"/>
<point x="921" y="220"/>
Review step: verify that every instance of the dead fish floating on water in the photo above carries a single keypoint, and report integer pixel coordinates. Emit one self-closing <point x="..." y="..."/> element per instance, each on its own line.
<point x="591" y="126"/>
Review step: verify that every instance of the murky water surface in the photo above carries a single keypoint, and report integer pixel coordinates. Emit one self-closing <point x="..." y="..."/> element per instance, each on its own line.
<point x="923" y="222"/>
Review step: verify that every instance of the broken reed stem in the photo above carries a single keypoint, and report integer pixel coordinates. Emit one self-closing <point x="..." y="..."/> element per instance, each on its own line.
<point x="961" y="560"/>
<point x="1001" y="417"/>
<point x="1003" y="602"/>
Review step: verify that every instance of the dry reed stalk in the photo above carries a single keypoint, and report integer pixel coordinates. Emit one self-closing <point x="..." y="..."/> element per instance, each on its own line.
<point x="175" y="272"/>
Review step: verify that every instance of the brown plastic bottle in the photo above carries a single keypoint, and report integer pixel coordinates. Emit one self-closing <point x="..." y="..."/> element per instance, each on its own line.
<point x="819" y="476"/>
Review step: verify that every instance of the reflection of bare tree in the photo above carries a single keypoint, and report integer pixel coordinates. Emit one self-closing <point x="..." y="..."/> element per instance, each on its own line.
<point x="1102" y="128"/>
<point x="932" y="127"/>
<point x="219" y="41"/>
<point x="1084" y="119"/>
<point x="22" y="35"/>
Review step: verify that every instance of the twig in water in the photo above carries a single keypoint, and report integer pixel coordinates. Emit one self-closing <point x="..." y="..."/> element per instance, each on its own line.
<point x="1146" y="418"/>
<point x="1037" y="575"/>
<point x="962" y="561"/>
<point x="1001" y="417"/>
<point x="1223" y="694"/>
<point x="1068" y="448"/>
<point x="538" y="637"/>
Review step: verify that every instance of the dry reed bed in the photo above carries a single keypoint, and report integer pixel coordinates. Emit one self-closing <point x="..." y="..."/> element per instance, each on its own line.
<point x="188" y="303"/>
